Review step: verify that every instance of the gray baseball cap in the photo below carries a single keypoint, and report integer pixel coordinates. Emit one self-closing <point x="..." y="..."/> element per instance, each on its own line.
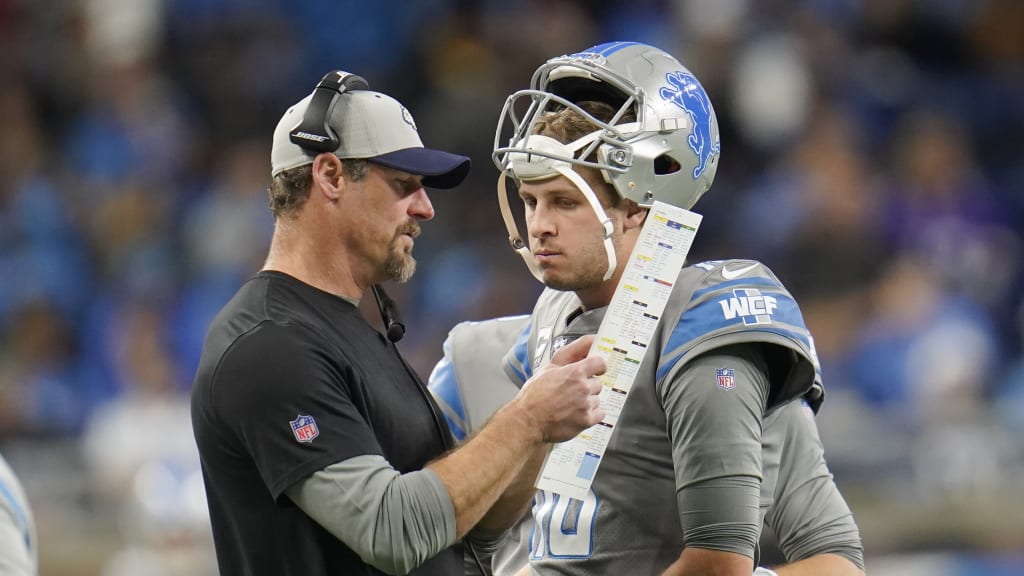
<point x="375" y="127"/>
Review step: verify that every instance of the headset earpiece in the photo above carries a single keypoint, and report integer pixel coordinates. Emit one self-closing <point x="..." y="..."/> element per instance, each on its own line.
<point x="315" y="133"/>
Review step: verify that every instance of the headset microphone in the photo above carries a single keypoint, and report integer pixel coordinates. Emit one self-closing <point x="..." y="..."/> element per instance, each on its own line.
<point x="389" y="314"/>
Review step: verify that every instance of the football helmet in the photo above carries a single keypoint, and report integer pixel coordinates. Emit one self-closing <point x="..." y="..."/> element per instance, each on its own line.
<point x="667" y="150"/>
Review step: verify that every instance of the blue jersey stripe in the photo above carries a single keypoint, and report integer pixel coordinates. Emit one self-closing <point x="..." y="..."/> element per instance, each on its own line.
<point x="711" y="317"/>
<point x="457" y="432"/>
<point x="520" y="353"/>
<point x="444" y="385"/>
<point x="669" y="362"/>
<point x="609" y="48"/>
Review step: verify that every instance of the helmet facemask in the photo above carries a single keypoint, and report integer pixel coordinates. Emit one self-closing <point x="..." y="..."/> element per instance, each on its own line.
<point x="667" y="149"/>
<point x="539" y="157"/>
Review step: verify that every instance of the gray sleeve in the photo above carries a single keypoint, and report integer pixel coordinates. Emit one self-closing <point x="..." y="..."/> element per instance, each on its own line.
<point x="714" y="405"/>
<point x="393" y="521"/>
<point x="809" y="516"/>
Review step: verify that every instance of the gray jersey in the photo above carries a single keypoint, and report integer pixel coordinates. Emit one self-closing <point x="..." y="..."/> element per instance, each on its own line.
<point x="17" y="528"/>
<point x="472" y="355"/>
<point x="649" y="460"/>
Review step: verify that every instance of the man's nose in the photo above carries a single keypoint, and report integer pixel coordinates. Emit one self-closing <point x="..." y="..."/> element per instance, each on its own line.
<point x="540" y="222"/>
<point x="421" y="208"/>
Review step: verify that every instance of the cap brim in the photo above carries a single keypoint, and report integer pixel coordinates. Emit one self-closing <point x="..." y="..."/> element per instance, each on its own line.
<point x="439" y="169"/>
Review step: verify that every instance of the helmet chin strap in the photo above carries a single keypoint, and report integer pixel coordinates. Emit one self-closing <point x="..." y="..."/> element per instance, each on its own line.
<point x="552" y="166"/>
<point x="521" y="247"/>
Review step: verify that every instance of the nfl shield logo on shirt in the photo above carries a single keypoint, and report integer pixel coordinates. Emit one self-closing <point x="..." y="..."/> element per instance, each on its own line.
<point x="304" y="428"/>
<point x="726" y="378"/>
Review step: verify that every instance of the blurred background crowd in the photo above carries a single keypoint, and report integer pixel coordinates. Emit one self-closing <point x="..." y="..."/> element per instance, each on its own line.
<point x="872" y="156"/>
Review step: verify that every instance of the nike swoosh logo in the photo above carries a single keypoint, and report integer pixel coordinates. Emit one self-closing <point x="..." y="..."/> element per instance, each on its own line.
<point x="734" y="274"/>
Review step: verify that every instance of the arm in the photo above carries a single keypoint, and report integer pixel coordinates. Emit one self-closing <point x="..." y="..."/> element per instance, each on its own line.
<point x="716" y="443"/>
<point x="495" y="533"/>
<point x="470" y="385"/>
<point x="697" y="561"/>
<point x="393" y="521"/>
<point x="396" y="521"/>
<point x="515" y="502"/>
<point x="820" y="565"/>
<point x="813" y="523"/>
<point x="553" y="406"/>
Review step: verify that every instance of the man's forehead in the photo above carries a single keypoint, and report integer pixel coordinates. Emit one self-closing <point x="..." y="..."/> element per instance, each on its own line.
<point x="559" y="184"/>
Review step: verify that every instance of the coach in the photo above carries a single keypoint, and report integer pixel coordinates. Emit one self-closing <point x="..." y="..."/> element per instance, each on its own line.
<point x="322" y="451"/>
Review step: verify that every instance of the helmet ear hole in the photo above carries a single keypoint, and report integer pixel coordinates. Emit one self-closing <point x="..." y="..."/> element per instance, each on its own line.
<point x="666" y="164"/>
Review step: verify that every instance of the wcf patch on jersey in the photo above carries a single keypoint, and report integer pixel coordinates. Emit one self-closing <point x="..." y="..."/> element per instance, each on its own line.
<point x="304" y="428"/>
<point x="726" y="378"/>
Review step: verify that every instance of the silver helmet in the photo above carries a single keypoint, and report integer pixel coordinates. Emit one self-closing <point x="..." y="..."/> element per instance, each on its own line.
<point x="661" y="144"/>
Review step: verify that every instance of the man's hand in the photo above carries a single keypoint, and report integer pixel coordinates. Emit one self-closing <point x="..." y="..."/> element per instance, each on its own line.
<point x="561" y="400"/>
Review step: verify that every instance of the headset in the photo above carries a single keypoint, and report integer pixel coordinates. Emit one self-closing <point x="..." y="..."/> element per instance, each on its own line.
<point x="315" y="133"/>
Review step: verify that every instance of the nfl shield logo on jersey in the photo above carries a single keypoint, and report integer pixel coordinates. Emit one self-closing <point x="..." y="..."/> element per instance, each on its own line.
<point x="726" y="378"/>
<point x="304" y="428"/>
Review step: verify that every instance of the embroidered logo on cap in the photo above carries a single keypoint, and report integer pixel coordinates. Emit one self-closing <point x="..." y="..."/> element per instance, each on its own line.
<point x="304" y="428"/>
<point x="408" y="118"/>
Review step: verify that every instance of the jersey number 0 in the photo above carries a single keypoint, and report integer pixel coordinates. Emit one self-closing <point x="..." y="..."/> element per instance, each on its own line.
<point x="563" y="527"/>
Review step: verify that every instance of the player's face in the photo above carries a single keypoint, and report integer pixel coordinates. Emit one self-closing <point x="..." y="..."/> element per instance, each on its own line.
<point x="566" y="238"/>
<point x="386" y="207"/>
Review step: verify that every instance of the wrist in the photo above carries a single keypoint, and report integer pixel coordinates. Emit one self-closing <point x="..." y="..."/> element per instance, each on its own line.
<point x="518" y="422"/>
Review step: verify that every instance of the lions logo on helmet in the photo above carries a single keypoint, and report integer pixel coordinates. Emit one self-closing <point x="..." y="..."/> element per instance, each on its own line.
<point x="688" y="95"/>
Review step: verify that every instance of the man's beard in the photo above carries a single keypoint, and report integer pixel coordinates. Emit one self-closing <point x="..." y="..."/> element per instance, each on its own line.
<point x="400" y="265"/>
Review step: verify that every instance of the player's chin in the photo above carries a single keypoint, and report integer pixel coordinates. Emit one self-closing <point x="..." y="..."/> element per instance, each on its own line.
<point x="552" y="278"/>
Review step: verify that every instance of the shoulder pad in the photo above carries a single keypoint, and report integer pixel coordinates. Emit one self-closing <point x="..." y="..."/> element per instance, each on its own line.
<point x="724" y="302"/>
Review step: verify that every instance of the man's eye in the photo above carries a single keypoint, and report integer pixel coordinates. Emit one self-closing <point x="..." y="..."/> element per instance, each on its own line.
<point x="405" y="186"/>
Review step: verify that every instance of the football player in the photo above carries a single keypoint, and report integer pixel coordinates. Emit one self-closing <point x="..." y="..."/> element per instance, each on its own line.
<point x="702" y="452"/>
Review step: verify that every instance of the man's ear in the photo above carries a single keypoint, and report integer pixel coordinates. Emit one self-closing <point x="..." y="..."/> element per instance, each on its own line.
<point x="328" y="176"/>
<point x="635" y="215"/>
